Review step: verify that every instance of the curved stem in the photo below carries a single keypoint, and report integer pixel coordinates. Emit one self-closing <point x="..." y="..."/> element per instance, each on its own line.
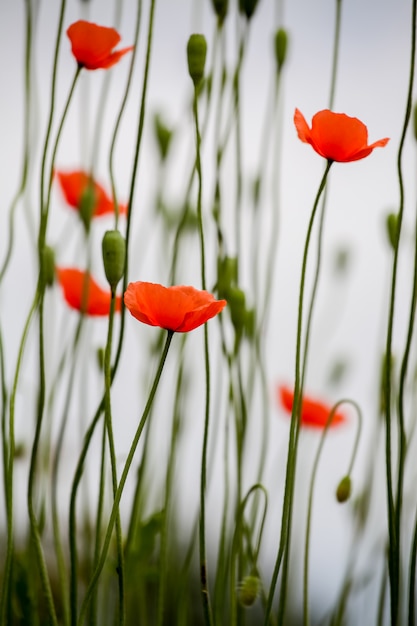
<point x="294" y="427"/>
<point x="122" y="482"/>
<point x="311" y="493"/>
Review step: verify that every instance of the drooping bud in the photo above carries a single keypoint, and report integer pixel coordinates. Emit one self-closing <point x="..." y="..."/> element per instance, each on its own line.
<point x="196" y="57"/>
<point x="281" y="46"/>
<point x="248" y="7"/>
<point x="391" y="224"/>
<point x="87" y="205"/>
<point x="100" y="358"/>
<point x="48" y="265"/>
<point x="249" y="590"/>
<point x="114" y="250"/>
<point x="220" y="7"/>
<point x="226" y="275"/>
<point x="236" y="301"/>
<point x="344" y="489"/>
<point x="163" y="137"/>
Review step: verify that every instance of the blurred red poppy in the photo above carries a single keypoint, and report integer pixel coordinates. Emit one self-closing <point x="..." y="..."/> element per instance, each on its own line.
<point x="314" y="414"/>
<point x="83" y="294"/>
<point x="93" y="45"/>
<point x="178" y="309"/>
<point x="76" y="184"/>
<point x="335" y="136"/>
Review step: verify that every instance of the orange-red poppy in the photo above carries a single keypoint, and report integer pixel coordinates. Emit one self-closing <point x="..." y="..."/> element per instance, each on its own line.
<point x="314" y="414"/>
<point x="75" y="184"/>
<point x="178" y="309"/>
<point x="93" y="45"/>
<point x="83" y="294"/>
<point x="335" y="136"/>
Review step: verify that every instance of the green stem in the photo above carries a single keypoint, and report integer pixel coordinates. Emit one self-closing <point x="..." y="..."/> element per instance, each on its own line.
<point x="113" y="463"/>
<point x="122" y="482"/>
<point x="294" y="427"/>
<point x="311" y="493"/>
<point x="394" y="504"/>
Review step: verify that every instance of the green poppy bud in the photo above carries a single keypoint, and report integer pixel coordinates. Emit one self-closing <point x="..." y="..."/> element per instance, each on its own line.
<point x="391" y="224"/>
<point x="48" y="254"/>
<point x="248" y="7"/>
<point x="87" y="205"/>
<point x="249" y="590"/>
<point x="100" y="359"/>
<point x="237" y="306"/>
<point x="281" y="45"/>
<point x="163" y="137"/>
<point x="344" y="489"/>
<point x="220" y="7"/>
<point x="196" y="56"/>
<point x="114" y="250"/>
<point x="226" y="275"/>
<point x="250" y="323"/>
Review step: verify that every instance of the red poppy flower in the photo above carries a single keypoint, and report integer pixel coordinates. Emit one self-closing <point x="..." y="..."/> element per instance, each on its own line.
<point x="93" y="45"/>
<point x="179" y="309"/>
<point x="314" y="414"/>
<point x="76" y="290"/>
<point x="335" y="136"/>
<point x="74" y="185"/>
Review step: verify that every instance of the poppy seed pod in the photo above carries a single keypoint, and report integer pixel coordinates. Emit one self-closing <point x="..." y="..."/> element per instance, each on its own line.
<point x="249" y="590"/>
<point x="196" y="57"/>
<point x="281" y="45"/>
<point x="344" y="489"/>
<point x="48" y="254"/>
<point x="114" y="249"/>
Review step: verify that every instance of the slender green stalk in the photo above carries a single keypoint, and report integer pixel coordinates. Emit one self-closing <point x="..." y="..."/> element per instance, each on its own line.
<point x="121" y="111"/>
<point x="412" y="578"/>
<point x="205" y="594"/>
<point x="295" y="423"/>
<point x="168" y="491"/>
<point x="26" y="139"/>
<point x="311" y="493"/>
<point x="10" y="469"/>
<point x="394" y="503"/>
<point x="122" y="482"/>
<point x="113" y="462"/>
<point x="62" y="574"/>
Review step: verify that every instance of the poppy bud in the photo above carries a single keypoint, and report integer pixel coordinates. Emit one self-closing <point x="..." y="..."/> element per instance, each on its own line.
<point x="391" y="224"/>
<point x="249" y="590"/>
<point x="87" y="205"/>
<point x="114" y="249"/>
<point x="415" y="121"/>
<point x="163" y="137"/>
<point x="344" y="489"/>
<point x="100" y="359"/>
<point x="226" y="275"/>
<point x="237" y="305"/>
<point x="48" y="266"/>
<point x="220" y="7"/>
<point x="196" y="57"/>
<point x="250" y="325"/>
<point x="248" y="7"/>
<point x="281" y="45"/>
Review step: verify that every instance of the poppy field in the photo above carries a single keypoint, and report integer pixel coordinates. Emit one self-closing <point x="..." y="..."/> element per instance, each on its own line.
<point x="208" y="283"/>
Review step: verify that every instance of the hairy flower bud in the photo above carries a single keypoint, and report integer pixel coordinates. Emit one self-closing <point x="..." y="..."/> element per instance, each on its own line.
<point x="114" y="249"/>
<point x="281" y="46"/>
<point x="196" y="57"/>
<point x="344" y="489"/>
<point x="249" y="590"/>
